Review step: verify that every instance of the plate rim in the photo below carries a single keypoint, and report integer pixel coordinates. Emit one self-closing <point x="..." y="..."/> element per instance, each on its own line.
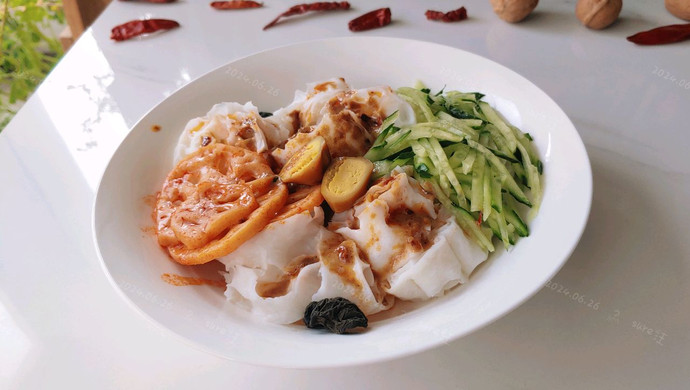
<point x="360" y="360"/>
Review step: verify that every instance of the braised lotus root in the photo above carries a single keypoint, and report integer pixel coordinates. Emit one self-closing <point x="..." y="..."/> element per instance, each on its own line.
<point x="598" y="14"/>
<point x="305" y="199"/>
<point x="214" y="200"/>
<point x="513" y="11"/>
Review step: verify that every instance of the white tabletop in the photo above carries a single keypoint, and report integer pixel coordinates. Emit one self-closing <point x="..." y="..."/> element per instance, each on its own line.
<point x="62" y="323"/>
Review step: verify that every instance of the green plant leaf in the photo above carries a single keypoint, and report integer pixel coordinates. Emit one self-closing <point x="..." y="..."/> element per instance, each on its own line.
<point x="28" y="54"/>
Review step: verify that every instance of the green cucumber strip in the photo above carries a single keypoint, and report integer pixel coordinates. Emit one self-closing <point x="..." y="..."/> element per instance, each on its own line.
<point x="389" y="135"/>
<point x="473" y="124"/>
<point x="493" y="225"/>
<point x="438" y="130"/>
<point x="471" y="96"/>
<point x="436" y="103"/>
<point x="394" y="144"/>
<point x="516" y="222"/>
<point x="512" y="237"/>
<point x="423" y="171"/>
<point x="445" y="169"/>
<point x="384" y="167"/>
<point x="514" y="219"/>
<point x="458" y="148"/>
<point x="509" y="183"/>
<point x="463" y="179"/>
<point x="519" y="172"/>
<point x="501" y="229"/>
<point x="496" y="195"/>
<point x="462" y="108"/>
<point x="381" y="169"/>
<point x="457" y="95"/>
<point x="477" y="184"/>
<point x="493" y="117"/>
<point x="526" y="142"/>
<point x="466" y="221"/>
<point x="389" y="121"/>
<point x="526" y="165"/>
<point x="458" y="155"/>
<point x="468" y="162"/>
<point x="532" y="177"/>
<point x="484" y="138"/>
<point x="486" y="201"/>
<point x="418" y="149"/>
<point x="380" y="141"/>
<point x="500" y="141"/>
<point x="429" y="151"/>
<point x="504" y="156"/>
<point x="425" y="161"/>
<point x="536" y="190"/>
<point x="417" y="98"/>
<point x="464" y="125"/>
<point x="470" y="155"/>
<point x="467" y="188"/>
<point x="533" y="168"/>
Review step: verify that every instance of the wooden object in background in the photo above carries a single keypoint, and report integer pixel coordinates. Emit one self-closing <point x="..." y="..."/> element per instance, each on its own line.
<point x="79" y="15"/>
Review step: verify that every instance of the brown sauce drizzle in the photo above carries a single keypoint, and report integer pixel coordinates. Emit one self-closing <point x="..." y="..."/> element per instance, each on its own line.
<point x="413" y="226"/>
<point x="324" y="86"/>
<point x="339" y="257"/>
<point x="416" y="228"/>
<point x="149" y="230"/>
<point x="296" y="122"/>
<point x="179" y="280"/>
<point x="150" y="200"/>
<point x="155" y="128"/>
<point x="273" y="289"/>
<point x="281" y="286"/>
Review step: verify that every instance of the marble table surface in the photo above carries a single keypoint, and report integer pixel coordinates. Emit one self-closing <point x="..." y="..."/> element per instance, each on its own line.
<point x="62" y="324"/>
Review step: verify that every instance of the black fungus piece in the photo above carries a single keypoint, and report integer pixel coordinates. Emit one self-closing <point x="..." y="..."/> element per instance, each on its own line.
<point x="265" y="114"/>
<point x="328" y="213"/>
<point x="337" y="315"/>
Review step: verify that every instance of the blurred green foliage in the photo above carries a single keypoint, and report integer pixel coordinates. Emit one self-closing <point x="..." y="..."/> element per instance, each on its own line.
<point x="29" y="51"/>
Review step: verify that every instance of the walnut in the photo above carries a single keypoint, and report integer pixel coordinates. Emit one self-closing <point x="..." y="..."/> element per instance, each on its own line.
<point x="598" y="14"/>
<point x="679" y="8"/>
<point x="513" y="11"/>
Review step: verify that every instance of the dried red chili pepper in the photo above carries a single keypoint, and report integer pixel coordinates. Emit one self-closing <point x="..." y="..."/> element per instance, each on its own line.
<point x="137" y="27"/>
<point x="374" y="19"/>
<point x="236" y="4"/>
<point x="450" y="16"/>
<point x="304" y="8"/>
<point x="662" y="35"/>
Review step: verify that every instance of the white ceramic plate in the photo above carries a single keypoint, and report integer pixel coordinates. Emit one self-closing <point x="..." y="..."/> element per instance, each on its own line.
<point x="201" y="315"/>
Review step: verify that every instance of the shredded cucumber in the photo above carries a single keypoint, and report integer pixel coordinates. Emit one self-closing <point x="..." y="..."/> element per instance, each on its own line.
<point x="479" y="165"/>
